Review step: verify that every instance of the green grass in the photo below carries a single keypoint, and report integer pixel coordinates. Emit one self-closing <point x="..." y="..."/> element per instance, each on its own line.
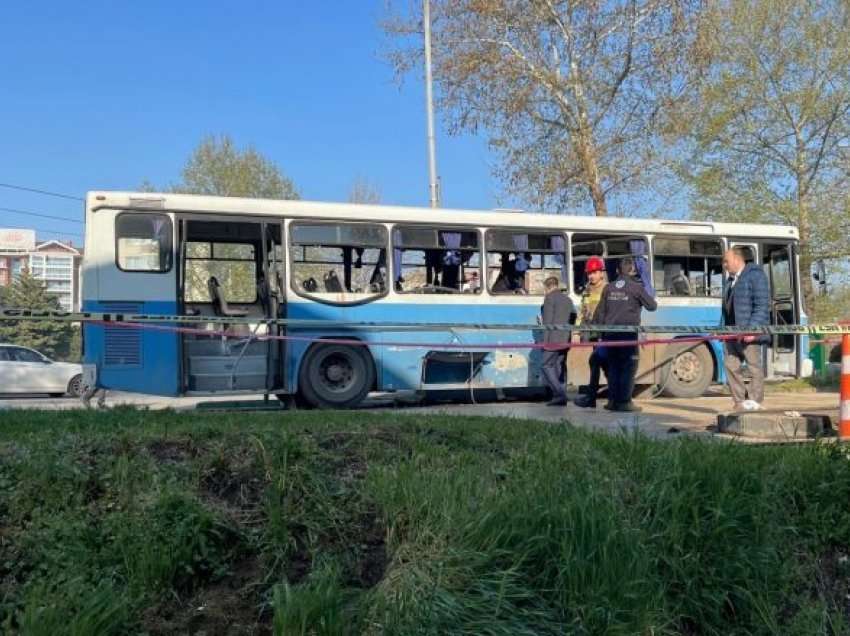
<point x="322" y="523"/>
<point x="813" y="384"/>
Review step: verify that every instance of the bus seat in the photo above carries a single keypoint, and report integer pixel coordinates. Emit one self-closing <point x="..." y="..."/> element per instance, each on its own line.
<point x="681" y="286"/>
<point x="219" y="303"/>
<point x="332" y="284"/>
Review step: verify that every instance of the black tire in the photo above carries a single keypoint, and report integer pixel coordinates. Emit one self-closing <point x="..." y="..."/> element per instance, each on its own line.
<point x="689" y="372"/>
<point x="336" y="376"/>
<point x="75" y="386"/>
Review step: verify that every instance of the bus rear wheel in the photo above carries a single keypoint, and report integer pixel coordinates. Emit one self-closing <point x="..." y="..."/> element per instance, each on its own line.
<point x="336" y="376"/>
<point x="689" y="372"/>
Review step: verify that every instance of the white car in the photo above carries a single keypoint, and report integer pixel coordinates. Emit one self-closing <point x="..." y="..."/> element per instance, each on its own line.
<point x="24" y="370"/>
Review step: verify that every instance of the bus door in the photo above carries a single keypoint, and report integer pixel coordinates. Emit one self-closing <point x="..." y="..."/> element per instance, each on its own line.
<point x="226" y="274"/>
<point x="777" y="261"/>
<point x="275" y="277"/>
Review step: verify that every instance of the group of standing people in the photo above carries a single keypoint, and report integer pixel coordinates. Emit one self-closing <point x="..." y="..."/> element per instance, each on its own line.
<point x="620" y="303"/>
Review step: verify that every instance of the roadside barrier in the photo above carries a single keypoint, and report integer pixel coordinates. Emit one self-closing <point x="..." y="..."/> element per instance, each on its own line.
<point x="7" y="313"/>
<point x="680" y="334"/>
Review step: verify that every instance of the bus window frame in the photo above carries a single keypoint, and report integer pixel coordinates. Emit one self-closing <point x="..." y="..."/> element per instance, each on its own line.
<point x="481" y="291"/>
<point x="290" y="260"/>
<point x="255" y="259"/>
<point x="714" y="238"/>
<point x="646" y="237"/>
<point x="118" y="238"/>
<point x="565" y="268"/>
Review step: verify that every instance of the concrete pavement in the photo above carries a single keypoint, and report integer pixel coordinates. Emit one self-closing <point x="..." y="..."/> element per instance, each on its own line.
<point x="661" y="417"/>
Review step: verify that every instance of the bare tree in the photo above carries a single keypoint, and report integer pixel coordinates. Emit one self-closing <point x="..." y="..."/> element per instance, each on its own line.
<point x="364" y="191"/>
<point x="771" y="122"/>
<point x="572" y="93"/>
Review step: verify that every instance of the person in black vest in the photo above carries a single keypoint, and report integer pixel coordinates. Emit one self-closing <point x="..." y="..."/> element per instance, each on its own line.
<point x="621" y="304"/>
<point x="746" y="303"/>
<point x="557" y="309"/>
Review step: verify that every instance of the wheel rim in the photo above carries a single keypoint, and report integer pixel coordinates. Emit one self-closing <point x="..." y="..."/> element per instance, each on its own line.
<point x="687" y="368"/>
<point x="75" y="388"/>
<point x="336" y="373"/>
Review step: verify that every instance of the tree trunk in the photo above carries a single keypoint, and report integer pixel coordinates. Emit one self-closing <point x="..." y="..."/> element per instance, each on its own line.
<point x="587" y="156"/>
<point x="585" y="146"/>
<point x="805" y="252"/>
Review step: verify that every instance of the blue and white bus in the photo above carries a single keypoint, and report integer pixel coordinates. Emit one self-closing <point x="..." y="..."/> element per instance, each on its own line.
<point x="251" y="259"/>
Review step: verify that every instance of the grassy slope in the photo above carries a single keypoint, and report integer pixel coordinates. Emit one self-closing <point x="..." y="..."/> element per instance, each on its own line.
<point x="335" y="523"/>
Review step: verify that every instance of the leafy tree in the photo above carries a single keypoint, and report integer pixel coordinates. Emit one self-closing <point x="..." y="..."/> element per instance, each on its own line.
<point x="771" y="121"/>
<point x="219" y="167"/>
<point x="50" y="337"/>
<point x="572" y="93"/>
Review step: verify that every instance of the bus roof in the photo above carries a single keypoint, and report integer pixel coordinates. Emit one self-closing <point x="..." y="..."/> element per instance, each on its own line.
<point x="205" y="204"/>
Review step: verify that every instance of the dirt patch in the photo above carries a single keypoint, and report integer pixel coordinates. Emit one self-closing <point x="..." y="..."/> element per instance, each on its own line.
<point x="172" y="451"/>
<point x="833" y="579"/>
<point x="232" y="605"/>
<point x="239" y="496"/>
<point x="301" y="560"/>
<point x="372" y="556"/>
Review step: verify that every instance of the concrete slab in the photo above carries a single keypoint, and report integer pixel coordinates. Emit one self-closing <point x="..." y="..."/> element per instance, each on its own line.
<point x="775" y="425"/>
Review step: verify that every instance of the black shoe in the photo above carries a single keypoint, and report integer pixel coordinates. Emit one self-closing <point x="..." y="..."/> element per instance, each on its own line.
<point x="556" y="402"/>
<point x="626" y="407"/>
<point x="610" y="406"/>
<point x="586" y="402"/>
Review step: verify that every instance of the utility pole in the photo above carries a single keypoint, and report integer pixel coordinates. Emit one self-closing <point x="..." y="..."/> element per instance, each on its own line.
<point x="433" y="188"/>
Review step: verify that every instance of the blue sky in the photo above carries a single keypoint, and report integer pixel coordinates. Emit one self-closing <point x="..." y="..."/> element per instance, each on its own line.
<point x="102" y="95"/>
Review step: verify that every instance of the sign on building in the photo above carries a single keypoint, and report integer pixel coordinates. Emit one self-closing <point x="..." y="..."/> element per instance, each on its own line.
<point x="12" y="240"/>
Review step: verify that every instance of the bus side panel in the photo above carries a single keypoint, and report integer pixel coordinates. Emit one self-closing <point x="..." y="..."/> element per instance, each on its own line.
<point x="138" y="359"/>
<point x="400" y="367"/>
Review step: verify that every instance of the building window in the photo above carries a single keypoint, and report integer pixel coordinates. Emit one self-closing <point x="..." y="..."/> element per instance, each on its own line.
<point x="340" y="263"/>
<point x="143" y="242"/>
<point x="429" y="260"/>
<point x="688" y="267"/>
<point x="519" y="262"/>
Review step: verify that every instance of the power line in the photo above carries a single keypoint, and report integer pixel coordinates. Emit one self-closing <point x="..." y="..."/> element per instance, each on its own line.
<point x="44" y="192"/>
<point x="43" y="216"/>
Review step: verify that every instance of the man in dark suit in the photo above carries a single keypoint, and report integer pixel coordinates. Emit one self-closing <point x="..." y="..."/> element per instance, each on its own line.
<point x="746" y="303"/>
<point x="557" y="309"/>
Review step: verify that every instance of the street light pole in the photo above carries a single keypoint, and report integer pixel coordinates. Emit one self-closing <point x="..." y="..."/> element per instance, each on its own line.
<point x="433" y="188"/>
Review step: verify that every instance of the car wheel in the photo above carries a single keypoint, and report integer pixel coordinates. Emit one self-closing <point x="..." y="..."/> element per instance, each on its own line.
<point x="336" y="376"/>
<point x="75" y="386"/>
<point x="689" y="372"/>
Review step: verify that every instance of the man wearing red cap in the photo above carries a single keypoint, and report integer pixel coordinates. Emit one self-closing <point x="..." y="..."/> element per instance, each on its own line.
<point x="595" y="270"/>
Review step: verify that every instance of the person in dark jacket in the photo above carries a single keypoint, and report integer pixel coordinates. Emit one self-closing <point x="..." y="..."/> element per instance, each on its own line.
<point x="557" y="309"/>
<point x="746" y="303"/>
<point x="621" y="304"/>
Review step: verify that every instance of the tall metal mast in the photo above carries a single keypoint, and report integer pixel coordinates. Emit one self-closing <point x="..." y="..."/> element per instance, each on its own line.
<point x="433" y="187"/>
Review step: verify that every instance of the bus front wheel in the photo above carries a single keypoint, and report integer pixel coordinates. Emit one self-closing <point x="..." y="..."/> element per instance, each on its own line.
<point x="689" y="371"/>
<point x="336" y="376"/>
